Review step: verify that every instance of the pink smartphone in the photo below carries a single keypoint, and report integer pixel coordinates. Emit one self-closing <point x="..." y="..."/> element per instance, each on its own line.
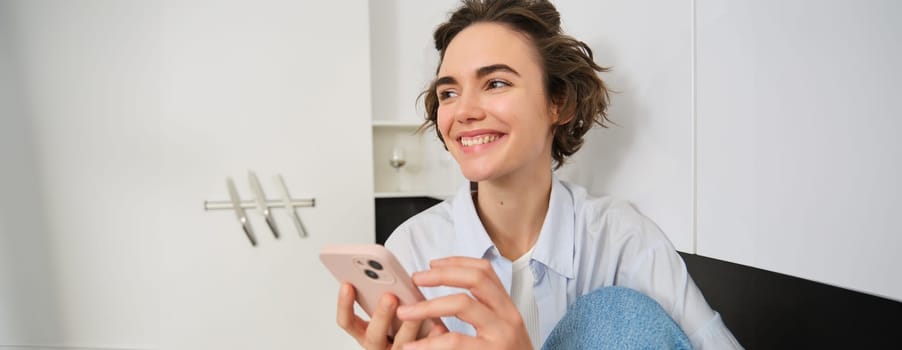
<point x="373" y="271"/>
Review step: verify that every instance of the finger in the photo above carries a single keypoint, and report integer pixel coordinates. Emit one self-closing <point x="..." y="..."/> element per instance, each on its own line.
<point x="346" y="317"/>
<point x="407" y="333"/>
<point x="459" y="305"/>
<point x="481" y="282"/>
<point x="451" y="340"/>
<point x="377" y="332"/>
<point x="462" y="277"/>
<point x="459" y="261"/>
<point x="438" y="328"/>
<point x="481" y="265"/>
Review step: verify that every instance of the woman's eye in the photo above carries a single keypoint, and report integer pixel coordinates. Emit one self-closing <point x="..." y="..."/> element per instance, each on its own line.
<point x="446" y="94"/>
<point x="495" y="84"/>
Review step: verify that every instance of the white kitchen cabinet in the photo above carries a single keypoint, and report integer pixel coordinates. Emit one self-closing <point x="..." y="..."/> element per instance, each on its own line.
<point x="429" y="170"/>
<point x="403" y="64"/>
<point x="129" y="115"/>
<point x="799" y="157"/>
<point x="80" y="224"/>
<point x="276" y="88"/>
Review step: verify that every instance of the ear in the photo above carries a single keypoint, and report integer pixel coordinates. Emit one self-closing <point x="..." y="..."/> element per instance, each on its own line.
<point x="554" y="109"/>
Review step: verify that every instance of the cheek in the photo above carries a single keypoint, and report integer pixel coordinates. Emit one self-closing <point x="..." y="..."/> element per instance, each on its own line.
<point x="503" y="107"/>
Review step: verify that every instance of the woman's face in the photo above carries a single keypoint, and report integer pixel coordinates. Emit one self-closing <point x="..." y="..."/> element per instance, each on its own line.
<point x="493" y="111"/>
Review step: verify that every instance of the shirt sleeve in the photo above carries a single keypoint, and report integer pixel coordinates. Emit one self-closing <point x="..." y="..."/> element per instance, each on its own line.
<point x="656" y="270"/>
<point x="400" y="243"/>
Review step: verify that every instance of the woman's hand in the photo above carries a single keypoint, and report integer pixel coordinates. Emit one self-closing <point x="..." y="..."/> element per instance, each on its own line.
<point x="372" y="335"/>
<point x="496" y="319"/>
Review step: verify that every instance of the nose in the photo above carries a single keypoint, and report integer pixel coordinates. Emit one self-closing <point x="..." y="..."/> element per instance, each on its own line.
<point x="469" y="109"/>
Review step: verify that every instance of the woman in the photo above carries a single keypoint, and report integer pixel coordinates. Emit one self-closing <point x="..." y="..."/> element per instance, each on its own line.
<point x="520" y="258"/>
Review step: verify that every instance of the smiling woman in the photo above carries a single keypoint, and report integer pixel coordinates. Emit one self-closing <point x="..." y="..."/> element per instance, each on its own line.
<point x="559" y="70"/>
<point x="488" y="89"/>
<point x="523" y="260"/>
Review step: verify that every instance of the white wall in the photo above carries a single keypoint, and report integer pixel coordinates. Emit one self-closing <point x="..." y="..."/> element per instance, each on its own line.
<point x="281" y="87"/>
<point x="119" y="118"/>
<point x="647" y="157"/>
<point x="27" y="271"/>
<point x="798" y="135"/>
<point x="82" y="121"/>
<point x="403" y="54"/>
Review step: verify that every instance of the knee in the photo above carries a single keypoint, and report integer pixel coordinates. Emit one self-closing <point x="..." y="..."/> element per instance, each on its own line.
<point x="618" y="318"/>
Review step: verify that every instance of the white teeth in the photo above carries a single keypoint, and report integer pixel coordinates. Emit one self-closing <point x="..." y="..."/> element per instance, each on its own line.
<point x="479" y="140"/>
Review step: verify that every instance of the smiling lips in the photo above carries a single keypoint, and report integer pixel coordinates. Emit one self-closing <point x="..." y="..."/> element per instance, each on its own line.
<point x="478" y="140"/>
<point x="470" y="143"/>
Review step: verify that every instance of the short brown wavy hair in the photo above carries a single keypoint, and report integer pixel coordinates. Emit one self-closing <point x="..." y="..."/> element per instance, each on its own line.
<point x="571" y="79"/>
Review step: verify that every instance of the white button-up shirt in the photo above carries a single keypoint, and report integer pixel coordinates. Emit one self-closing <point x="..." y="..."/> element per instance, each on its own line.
<point x="585" y="243"/>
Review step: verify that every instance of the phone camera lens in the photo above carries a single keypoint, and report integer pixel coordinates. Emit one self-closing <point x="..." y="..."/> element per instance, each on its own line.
<point x="371" y="274"/>
<point x="375" y="264"/>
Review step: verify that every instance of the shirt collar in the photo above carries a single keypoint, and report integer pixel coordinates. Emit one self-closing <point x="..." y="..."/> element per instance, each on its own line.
<point x="554" y="249"/>
<point x="472" y="239"/>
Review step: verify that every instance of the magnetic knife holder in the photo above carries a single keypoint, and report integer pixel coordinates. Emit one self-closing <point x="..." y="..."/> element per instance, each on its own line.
<point x="262" y="205"/>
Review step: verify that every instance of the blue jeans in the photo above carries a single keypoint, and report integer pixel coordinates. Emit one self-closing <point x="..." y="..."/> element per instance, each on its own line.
<point x="616" y="318"/>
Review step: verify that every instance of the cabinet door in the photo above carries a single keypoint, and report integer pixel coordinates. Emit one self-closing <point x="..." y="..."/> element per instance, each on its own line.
<point x="799" y="157"/>
<point x="278" y="88"/>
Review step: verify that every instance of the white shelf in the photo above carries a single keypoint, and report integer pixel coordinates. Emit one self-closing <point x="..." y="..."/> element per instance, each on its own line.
<point x="441" y="196"/>
<point x="396" y="124"/>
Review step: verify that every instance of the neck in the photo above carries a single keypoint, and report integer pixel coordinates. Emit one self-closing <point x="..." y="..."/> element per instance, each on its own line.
<point x="512" y="210"/>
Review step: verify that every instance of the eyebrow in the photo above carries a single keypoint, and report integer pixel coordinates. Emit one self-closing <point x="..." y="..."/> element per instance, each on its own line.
<point x="481" y="72"/>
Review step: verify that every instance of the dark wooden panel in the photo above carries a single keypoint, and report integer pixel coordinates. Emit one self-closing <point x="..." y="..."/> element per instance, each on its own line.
<point x="391" y="212"/>
<point x="767" y="310"/>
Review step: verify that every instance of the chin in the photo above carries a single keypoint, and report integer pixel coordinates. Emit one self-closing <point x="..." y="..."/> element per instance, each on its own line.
<point x="478" y="169"/>
<point x="477" y="173"/>
<point x="475" y="178"/>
